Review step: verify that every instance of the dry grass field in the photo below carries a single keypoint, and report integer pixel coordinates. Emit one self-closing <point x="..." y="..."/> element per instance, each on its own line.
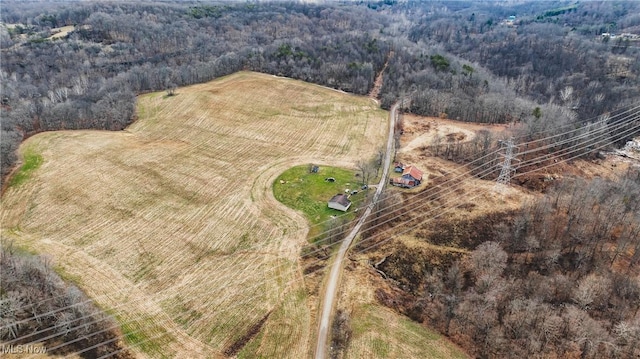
<point x="379" y="332"/>
<point x="171" y="225"/>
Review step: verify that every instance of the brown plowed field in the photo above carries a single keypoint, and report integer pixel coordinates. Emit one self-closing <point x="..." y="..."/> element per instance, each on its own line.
<point x="172" y="224"/>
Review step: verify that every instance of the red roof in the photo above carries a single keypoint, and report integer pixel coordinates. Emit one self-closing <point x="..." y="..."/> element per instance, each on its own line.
<point x="413" y="172"/>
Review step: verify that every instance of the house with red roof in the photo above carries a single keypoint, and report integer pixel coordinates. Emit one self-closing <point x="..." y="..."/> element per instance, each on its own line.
<point x="411" y="177"/>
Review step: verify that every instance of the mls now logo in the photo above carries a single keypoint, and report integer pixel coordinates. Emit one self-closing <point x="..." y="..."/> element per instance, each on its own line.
<point x="22" y="349"/>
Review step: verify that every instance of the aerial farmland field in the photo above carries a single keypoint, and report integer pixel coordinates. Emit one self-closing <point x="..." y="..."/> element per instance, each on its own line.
<point x="171" y="225"/>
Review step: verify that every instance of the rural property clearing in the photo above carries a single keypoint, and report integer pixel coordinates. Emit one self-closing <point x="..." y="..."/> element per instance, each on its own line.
<point x="420" y="131"/>
<point x="172" y="225"/>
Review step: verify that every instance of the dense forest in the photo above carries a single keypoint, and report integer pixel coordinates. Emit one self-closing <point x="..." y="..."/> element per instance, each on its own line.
<point x="455" y="59"/>
<point x="548" y="280"/>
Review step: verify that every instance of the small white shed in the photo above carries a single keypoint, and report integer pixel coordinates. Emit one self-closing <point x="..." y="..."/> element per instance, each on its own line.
<point x="340" y="202"/>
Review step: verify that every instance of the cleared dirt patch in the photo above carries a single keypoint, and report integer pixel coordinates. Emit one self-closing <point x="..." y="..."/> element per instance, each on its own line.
<point x="419" y="131"/>
<point x="60" y="32"/>
<point x="172" y="224"/>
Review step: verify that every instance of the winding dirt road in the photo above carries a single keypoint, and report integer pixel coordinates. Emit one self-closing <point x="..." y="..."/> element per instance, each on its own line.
<point x="334" y="276"/>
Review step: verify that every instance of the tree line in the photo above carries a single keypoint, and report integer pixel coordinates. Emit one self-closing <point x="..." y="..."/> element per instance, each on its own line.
<point x="544" y="52"/>
<point x="119" y="50"/>
<point x="448" y="59"/>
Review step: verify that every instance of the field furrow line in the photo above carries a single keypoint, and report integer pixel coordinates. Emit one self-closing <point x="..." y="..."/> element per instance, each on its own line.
<point x="173" y="224"/>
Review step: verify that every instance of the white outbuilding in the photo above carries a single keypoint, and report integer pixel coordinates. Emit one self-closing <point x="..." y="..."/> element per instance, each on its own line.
<point x="340" y="202"/>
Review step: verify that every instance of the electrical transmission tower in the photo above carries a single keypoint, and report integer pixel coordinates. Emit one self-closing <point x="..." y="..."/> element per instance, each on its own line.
<point x="507" y="170"/>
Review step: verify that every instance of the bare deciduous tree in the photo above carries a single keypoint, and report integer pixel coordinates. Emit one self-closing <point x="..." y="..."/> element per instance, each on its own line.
<point x="488" y="259"/>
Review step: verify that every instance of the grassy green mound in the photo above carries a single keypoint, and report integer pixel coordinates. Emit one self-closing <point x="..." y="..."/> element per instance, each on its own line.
<point x="309" y="193"/>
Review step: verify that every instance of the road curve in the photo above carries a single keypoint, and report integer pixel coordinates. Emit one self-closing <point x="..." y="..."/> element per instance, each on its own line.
<point x="334" y="276"/>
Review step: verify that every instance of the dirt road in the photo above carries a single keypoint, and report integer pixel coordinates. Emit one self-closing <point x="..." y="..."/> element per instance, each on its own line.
<point x="336" y="268"/>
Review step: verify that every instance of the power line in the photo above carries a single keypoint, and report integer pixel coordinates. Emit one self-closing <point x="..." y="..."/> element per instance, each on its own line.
<point x="604" y="145"/>
<point x="624" y="112"/>
<point x="408" y="230"/>
<point x="376" y="244"/>
<point x="507" y="169"/>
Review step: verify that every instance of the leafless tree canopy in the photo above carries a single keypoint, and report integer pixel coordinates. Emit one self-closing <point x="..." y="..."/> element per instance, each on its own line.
<point x="36" y="304"/>
<point x="452" y="59"/>
<point x="558" y="279"/>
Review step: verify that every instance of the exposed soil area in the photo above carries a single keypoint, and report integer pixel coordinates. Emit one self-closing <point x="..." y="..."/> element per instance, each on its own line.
<point x="377" y="85"/>
<point x="252" y="332"/>
<point x="420" y="131"/>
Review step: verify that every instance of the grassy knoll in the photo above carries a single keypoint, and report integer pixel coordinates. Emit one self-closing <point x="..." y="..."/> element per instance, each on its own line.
<point x="309" y="193"/>
<point x="172" y="224"/>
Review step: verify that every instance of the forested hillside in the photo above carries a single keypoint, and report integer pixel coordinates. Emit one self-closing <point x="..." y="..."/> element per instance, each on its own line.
<point x="546" y="54"/>
<point x="456" y="59"/>
<point x="554" y="279"/>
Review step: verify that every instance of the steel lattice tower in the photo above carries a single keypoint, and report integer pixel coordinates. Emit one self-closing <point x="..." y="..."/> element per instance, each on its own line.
<point x="507" y="170"/>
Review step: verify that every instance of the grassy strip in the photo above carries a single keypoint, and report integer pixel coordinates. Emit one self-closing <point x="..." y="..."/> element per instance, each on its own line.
<point x="32" y="162"/>
<point x="309" y="193"/>
<point x="142" y="333"/>
<point x="385" y="334"/>
<point x="560" y="10"/>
